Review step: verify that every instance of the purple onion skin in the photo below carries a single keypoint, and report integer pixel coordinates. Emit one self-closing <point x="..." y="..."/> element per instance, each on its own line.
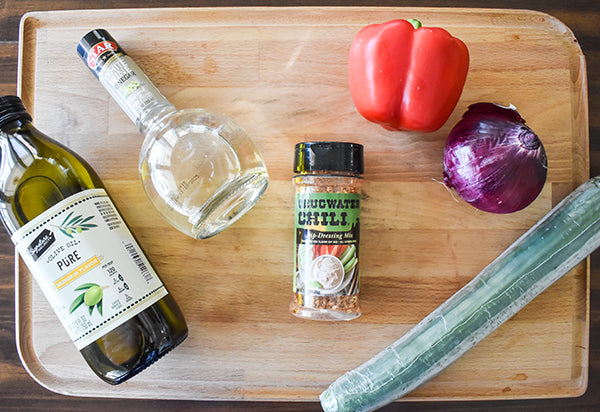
<point x="493" y="160"/>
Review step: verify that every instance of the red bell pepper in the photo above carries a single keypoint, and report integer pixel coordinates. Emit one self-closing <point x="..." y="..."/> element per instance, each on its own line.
<point x="407" y="77"/>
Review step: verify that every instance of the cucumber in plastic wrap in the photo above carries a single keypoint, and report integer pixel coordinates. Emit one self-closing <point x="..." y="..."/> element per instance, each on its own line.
<point x="541" y="256"/>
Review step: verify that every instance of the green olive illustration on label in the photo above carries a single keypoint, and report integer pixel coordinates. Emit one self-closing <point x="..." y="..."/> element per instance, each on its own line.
<point x="92" y="297"/>
<point x="77" y="224"/>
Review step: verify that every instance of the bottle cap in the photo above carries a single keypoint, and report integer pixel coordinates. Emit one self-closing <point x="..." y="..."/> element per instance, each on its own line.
<point x="96" y="48"/>
<point x="12" y="108"/>
<point x="328" y="156"/>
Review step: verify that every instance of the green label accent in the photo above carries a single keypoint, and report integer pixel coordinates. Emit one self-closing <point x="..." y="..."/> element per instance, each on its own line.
<point x="327" y="211"/>
<point x="326" y="249"/>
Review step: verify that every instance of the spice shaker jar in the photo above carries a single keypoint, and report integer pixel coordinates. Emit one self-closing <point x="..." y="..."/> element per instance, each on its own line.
<point x="327" y="230"/>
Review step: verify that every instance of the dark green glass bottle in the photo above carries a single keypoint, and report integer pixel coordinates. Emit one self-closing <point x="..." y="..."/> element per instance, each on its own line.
<point x="38" y="174"/>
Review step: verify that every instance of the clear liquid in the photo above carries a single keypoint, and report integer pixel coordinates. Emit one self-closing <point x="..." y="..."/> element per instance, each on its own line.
<point x="201" y="171"/>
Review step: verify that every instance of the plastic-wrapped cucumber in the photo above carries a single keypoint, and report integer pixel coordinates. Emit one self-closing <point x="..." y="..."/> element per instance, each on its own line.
<point x="546" y="252"/>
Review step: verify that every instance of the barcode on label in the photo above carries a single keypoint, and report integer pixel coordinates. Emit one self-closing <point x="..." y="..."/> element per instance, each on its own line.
<point x="139" y="262"/>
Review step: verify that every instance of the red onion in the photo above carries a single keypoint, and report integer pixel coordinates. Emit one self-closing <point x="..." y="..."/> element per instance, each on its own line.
<point x="493" y="160"/>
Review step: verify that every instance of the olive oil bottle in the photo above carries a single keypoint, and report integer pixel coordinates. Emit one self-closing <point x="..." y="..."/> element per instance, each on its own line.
<point x="81" y="253"/>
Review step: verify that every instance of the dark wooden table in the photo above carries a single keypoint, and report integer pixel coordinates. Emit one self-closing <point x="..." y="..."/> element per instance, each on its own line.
<point x="19" y="391"/>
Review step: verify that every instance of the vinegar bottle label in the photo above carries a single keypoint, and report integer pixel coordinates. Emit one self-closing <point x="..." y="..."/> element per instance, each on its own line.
<point x="130" y="87"/>
<point x="88" y="265"/>
<point x="120" y="75"/>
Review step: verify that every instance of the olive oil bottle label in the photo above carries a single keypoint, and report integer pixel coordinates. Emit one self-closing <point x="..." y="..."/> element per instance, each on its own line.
<point x="327" y="240"/>
<point x="89" y="266"/>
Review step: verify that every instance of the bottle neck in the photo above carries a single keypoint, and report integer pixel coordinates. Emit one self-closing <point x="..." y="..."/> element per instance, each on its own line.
<point x="135" y="93"/>
<point x="155" y="117"/>
<point x="15" y="125"/>
<point x="12" y="113"/>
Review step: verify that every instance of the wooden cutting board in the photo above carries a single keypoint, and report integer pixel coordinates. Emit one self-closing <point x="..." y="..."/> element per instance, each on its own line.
<point x="282" y="74"/>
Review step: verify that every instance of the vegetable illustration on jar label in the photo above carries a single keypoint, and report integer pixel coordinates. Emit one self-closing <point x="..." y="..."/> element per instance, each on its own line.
<point x="327" y="237"/>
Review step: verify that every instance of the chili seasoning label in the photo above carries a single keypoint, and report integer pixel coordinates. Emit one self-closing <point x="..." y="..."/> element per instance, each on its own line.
<point x="327" y="241"/>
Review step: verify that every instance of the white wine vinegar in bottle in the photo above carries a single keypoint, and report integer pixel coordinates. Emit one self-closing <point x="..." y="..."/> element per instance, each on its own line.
<point x="81" y="252"/>
<point x="199" y="169"/>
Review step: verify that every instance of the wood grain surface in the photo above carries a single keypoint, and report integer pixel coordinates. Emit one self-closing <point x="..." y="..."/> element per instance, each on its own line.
<point x="18" y="390"/>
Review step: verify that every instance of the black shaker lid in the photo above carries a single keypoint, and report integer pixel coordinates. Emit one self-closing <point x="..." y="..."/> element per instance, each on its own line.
<point x="97" y="47"/>
<point x="12" y="108"/>
<point x="328" y="156"/>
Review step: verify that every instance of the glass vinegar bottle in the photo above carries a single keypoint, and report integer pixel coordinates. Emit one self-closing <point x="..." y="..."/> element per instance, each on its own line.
<point x="81" y="253"/>
<point x="199" y="169"/>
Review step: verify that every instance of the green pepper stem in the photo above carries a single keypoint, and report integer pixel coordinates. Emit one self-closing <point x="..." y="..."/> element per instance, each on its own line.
<point x="416" y="23"/>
